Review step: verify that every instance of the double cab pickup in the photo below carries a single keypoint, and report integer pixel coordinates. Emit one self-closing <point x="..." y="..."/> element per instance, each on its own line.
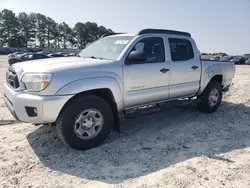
<point x="85" y="96"/>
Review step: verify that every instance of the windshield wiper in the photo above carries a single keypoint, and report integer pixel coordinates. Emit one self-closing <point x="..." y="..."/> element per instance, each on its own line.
<point x="93" y="57"/>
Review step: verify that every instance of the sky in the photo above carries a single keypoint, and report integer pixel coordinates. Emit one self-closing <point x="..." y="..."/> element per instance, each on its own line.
<point x="216" y="25"/>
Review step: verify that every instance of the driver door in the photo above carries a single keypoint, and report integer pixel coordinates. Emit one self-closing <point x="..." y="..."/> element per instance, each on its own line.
<point x="146" y="81"/>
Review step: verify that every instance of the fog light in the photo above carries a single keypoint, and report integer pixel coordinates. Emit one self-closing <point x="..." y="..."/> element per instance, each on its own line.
<point x="35" y="111"/>
<point x="31" y="111"/>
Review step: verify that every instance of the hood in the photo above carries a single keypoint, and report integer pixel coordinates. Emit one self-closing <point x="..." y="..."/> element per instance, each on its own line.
<point x="61" y="63"/>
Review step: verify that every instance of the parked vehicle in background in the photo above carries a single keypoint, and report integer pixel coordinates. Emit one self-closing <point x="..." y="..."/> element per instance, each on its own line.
<point x="120" y="75"/>
<point x="247" y="62"/>
<point x="56" y="55"/>
<point x="238" y="60"/>
<point x="226" y="58"/>
<point x="15" y="54"/>
<point x="216" y="58"/>
<point x="63" y="53"/>
<point x="59" y="54"/>
<point x="27" y="57"/>
<point x="5" y="51"/>
<point x="43" y="52"/>
<point x="15" y="59"/>
<point x="73" y="54"/>
<point x="247" y="56"/>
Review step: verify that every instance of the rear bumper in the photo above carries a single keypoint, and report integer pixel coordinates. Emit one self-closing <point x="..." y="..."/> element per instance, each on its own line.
<point x="47" y="108"/>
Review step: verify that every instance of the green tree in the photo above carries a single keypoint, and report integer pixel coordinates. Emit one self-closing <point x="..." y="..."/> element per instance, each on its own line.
<point x="80" y="34"/>
<point x="218" y="53"/>
<point x="88" y="32"/>
<point x="26" y="28"/>
<point x="103" y="30"/>
<point x="9" y="27"/>
<point x="66" y="33"/>
<point x="57" y="37"/>
<point x="41" y="22"/>
<point x="50" y="30"/>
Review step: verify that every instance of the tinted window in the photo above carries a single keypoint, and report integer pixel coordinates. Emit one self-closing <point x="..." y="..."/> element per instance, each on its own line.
<point x="57" y="55"/>
<point x="25" y="57"/>
<point x="153" y="48"/>
<point x="181" y="49"/>
<point x="39" y="56"/>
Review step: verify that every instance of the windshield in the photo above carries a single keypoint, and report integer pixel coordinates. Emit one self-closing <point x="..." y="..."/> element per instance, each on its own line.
<point x="106" y="48"/>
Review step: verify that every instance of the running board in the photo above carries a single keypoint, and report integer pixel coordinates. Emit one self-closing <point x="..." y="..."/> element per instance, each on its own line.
<point x="142" y="110"/>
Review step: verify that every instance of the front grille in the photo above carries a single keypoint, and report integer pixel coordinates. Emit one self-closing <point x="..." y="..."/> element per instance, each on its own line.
<point x="12" y="79"/>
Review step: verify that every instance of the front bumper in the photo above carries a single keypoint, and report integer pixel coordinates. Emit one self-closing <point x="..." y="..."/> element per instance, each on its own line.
<point x="47" y="107"/>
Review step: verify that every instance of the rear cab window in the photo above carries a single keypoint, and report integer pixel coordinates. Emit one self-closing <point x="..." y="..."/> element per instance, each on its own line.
<point x="180" y="49"/>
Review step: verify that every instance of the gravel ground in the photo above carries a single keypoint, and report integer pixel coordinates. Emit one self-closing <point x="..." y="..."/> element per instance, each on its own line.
<point x="177" y="148"/>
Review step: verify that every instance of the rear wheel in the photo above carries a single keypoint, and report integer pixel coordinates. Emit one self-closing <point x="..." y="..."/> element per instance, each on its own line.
<point x="85" y="122"/>
<point x="211" y="97"/>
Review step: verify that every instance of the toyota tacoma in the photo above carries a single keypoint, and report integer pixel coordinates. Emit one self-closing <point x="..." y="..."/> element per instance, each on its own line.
<point x="116" y="76"/>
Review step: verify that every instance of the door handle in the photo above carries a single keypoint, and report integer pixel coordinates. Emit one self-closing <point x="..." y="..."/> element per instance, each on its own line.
<point x="194" y="67"/>
<point x="163" y="70"/>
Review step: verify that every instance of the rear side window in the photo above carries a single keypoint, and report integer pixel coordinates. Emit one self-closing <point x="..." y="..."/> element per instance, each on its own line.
<point x="181" y="49"/>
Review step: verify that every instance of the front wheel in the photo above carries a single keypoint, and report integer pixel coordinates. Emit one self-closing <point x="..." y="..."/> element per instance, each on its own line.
<point x="85" y="122"/>
<point x="210" y="98"/>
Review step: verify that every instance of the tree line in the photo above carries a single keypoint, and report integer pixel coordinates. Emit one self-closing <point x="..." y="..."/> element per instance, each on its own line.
<point x="34" y="29"/>
<point x="214" y="54"/>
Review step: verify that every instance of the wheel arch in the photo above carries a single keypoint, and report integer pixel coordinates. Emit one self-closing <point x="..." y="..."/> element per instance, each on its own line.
<point x="104" y="93"/>
<point x="218" y="78"/>
<point x="206" y="81"/>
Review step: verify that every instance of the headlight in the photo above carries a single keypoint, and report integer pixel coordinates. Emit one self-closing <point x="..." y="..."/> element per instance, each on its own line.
<point x="36" y="82"/>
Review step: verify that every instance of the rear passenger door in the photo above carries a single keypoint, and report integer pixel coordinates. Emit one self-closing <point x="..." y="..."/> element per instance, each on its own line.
<point x="185" y="68"/>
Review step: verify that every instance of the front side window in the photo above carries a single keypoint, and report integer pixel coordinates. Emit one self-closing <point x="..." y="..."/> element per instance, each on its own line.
<point x="153" y="49"/>
<point x="106" y="48"/>
<point x="181" y="49"/>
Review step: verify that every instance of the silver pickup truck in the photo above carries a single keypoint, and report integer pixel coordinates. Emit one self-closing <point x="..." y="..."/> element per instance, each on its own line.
<point x="114" y="77"/>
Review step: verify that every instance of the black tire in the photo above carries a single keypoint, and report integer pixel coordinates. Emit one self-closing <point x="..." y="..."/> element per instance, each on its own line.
<point x="66" y="121"/>
<point x="204" y="105"/>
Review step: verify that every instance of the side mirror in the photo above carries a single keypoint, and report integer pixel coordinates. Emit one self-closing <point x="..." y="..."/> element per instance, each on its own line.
<point x="135" y="57"/>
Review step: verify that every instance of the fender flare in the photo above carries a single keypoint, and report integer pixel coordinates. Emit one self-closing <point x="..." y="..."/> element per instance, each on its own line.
<point x="209" y="73"/>
<point x="87" y="84"/>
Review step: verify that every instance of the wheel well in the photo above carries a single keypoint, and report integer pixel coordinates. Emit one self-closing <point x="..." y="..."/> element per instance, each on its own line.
<point x="218" y="78"/>
<point x="107" y="95"/>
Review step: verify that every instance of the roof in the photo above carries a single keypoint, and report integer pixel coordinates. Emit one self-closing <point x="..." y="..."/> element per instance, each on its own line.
<point x="150" y="31"/>
<point x="163" y="31"/>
